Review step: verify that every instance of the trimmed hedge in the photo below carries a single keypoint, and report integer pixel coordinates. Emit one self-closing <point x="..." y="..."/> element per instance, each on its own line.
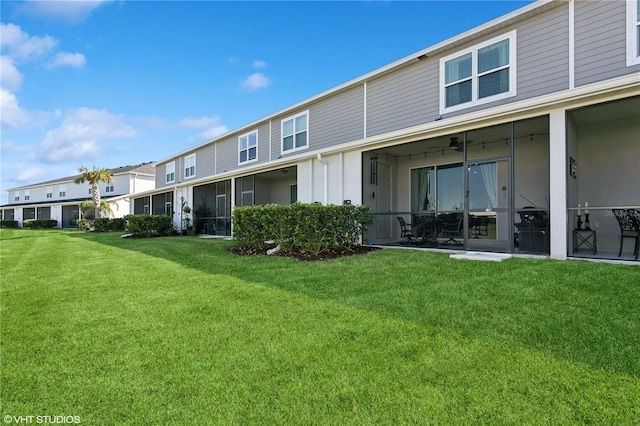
<point x="8" y="223"/>
<point x="104" y="224"/>
<point x="39" y="223"/>
<point x="145" y="225"/>
<point x="309" y="227"/>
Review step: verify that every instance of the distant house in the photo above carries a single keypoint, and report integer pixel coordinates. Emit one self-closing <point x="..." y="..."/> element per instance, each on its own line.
<point x="493" y="140"/>
<point x="60" y="199"/>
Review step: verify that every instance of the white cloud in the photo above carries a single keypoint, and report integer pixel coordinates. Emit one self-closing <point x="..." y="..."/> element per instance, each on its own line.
<point x="259" y="64"/>
<point x="64" y="59"/>
<point x="8" y="147"/>
<point x="200" y="122"/>
<point x="212" y="132"/>
<point x="254" y="82"/>
<point x="71" y="12"/>
<point x="23" y="47"/>
<point x="11" y="113"/>
<point x="10" y="77"/>
<point x="211" y="126"/>
<point x="79" y="134"/>
<point x="26" y="174"/>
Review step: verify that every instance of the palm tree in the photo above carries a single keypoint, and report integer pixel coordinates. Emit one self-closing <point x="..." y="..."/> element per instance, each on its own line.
<point x="94" y="177"/>
<point x="105" y="207"/>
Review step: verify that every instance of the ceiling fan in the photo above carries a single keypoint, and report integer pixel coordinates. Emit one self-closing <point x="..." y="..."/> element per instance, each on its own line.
<point x="456" y="145"/>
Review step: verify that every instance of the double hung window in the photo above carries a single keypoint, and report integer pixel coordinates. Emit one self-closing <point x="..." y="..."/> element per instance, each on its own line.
<point x="483" y="73"/>
<point x="295" y="133"/>
<point x="62" y="191"/>
<point x="49" y="192"/>
<point x="190" y="166"/>
<point x="110" y="187"/>
<point x="170" y="170"/>
<point x="248" y="147"/>
<point x="633" y="32"/>
<point x="27" y="194"/>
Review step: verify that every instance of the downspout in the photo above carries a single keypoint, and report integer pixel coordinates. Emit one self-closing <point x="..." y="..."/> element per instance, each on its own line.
<point x="326" y="178"/>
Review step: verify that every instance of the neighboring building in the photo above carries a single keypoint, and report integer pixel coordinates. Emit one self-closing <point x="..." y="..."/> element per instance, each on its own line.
<point x="60" y="199"/>
<point x="539" y="108"/>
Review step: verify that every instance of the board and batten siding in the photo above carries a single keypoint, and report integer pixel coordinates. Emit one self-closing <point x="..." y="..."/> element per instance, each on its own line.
<point x="404" y="98"/>
<point x="600" y="41"/>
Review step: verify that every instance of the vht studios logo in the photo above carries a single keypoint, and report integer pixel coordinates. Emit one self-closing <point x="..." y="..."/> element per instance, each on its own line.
<point x="51" y="420"/>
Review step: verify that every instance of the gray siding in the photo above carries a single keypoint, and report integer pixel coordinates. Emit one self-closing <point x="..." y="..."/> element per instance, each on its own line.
<point x="600" y="41"/>
<point x="206" y="161"/>
<point x="405" y="98"/>
<point x="336" y="120"/>
<point x="227" y="156"/>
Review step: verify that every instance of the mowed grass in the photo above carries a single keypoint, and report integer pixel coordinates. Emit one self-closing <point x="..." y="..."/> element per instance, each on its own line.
<point x="178" y="331"/>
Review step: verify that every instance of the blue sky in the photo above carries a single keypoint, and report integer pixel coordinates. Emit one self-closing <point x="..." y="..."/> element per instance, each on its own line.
<point x="112" y="83"/>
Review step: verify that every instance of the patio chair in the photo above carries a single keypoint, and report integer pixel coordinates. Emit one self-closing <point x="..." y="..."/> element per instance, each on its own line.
<point x="405" y="230"/>
<point x="629" y="221"/>
<point x="451" y="227"/>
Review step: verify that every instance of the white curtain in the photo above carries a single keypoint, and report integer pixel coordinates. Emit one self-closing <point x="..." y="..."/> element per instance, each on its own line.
<point x="490" y="180"/>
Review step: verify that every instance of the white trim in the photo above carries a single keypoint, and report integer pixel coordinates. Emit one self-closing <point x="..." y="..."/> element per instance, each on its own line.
<point x="473" y="50"/>
<point x="572" y="40"/>
<point x="365" y="110"/>
<point x="166" y="172"/>
<point x="270" y="131"/>
<point x="247" y="135"/>
<point x="293" y="118"/>
<point x="632" y="33"/>
<point x="184" y="166"/>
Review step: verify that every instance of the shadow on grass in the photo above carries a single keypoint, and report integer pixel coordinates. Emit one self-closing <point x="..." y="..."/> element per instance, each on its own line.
<point x="583" y="312"/>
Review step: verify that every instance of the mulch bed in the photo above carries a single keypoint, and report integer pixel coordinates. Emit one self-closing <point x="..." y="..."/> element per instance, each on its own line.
<point x="333" y="253"/>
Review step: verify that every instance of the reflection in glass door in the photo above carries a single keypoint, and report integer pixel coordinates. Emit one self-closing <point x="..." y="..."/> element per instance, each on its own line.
<point x="488" y="199"/>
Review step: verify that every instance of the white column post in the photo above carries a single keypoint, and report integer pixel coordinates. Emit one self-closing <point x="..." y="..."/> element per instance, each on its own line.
<point x="558" y="183"/>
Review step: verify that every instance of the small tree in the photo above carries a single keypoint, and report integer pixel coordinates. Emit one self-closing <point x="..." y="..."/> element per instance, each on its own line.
<point x="94" y="177"/>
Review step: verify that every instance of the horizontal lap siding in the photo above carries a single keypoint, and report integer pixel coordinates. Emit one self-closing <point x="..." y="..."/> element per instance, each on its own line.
<point x="161" y="173"/>
<point x="205" y="161"/>
<point x="337" y="120"/>
<point x="600" y="41"/>
<point x="405" y="98"/>
<point x="227" y="154"/>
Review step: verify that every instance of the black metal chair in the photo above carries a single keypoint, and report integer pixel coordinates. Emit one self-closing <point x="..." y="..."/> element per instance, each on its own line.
<point x="405" y="230"/>
<point x="629" y="221"/>
<point x="451" y="227"/>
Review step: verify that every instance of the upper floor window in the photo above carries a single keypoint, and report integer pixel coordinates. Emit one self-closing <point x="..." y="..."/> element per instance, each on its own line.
<point x="170" y="172"/>
<point x="248" y="147"/>
<point x="633" y="32"/>
<point x="190" y="166"/>
<point x="110" y="187"/>
<point x="483" y="73"/>
<point x="295" y="132"/>
<point x="63" y="190"/>
<point x="16" y="196"/>
<point x="27" y="195"/>
<point x="49" y="192"/>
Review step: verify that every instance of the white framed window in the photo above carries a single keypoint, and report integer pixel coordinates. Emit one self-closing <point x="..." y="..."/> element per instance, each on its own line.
<point x="49" y="192"/>
<point x="16" y="196"/>
<point x="248" y="147"/>
<point x="27" y="194"/>
<point x="483" y="73"/>
<point x="62" y="190"/>
<point x="295" y="132"/>
<point x="90" y="190"/>
<point x="189" y="166"/>
<point x="633" y="32"/>
<point x="170" y="172"/>
<point x="110" y="187"/>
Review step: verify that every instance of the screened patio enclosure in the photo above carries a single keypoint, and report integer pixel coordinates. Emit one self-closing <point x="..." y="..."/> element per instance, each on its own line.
<point x="482" y="189"/>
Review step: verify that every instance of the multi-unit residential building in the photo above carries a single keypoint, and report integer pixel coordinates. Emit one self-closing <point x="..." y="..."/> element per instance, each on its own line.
<point x="60" y="199"/>
<point x="497" y="140"/>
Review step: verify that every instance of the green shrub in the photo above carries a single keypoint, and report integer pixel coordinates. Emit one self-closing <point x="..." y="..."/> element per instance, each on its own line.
<point x="144" y="225"/>
<point x="309" y="227"/>
<point x="84" y="225"/>
<point x="104" y="224"/>
<point x="8" y="223"/>
<point x="39" y="223"/>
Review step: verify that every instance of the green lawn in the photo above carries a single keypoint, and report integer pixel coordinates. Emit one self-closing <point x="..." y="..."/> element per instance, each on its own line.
<point x="178" y="331"/>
